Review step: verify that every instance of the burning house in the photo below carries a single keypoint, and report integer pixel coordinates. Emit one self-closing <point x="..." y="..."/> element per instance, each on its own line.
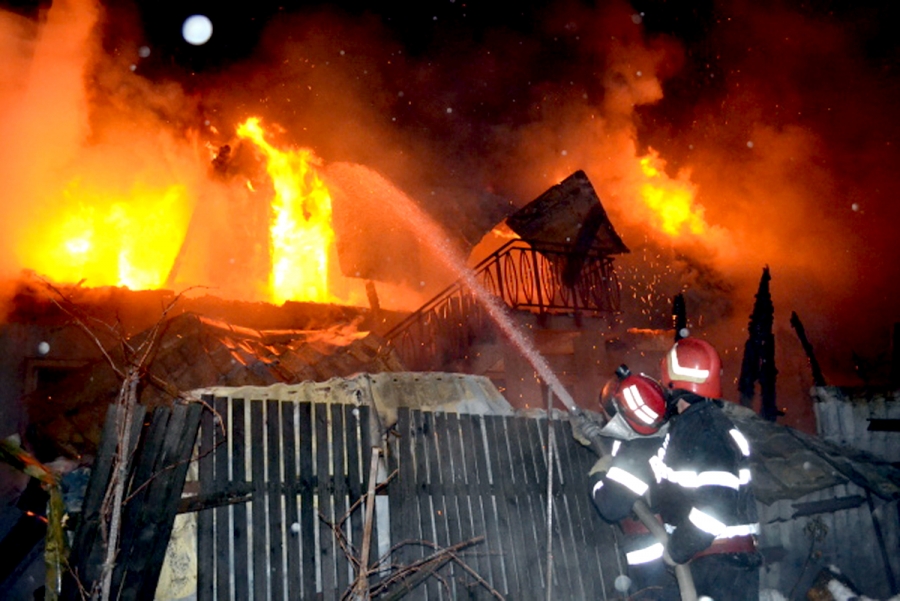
<point x="167" y="199"/>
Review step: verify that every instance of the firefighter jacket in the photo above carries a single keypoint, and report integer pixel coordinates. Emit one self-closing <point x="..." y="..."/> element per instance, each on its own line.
<point x="628" y="478"/>
<point x="704" y="494"/>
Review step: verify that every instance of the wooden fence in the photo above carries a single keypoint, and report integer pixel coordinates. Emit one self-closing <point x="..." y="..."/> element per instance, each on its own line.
<point x="288" y="479"/>
<point x="161" y="443"/>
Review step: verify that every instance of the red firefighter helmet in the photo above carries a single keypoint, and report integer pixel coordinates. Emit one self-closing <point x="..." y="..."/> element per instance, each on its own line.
<point x="639" y="400"/>
<point x="693" y="364"/>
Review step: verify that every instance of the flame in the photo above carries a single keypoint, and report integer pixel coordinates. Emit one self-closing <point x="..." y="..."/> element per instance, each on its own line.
<point x="301" y="235"/>
<point x="671" y="200"/>
<point x="109" y="239"/>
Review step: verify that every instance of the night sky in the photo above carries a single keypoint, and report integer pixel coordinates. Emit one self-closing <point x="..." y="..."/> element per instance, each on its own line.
<point x="780" y="116"/>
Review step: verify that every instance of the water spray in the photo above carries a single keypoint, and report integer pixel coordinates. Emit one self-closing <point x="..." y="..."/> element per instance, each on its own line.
<point x="350" y="176"/>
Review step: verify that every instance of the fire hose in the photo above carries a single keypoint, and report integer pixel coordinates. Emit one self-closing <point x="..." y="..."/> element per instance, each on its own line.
<point x="682" y="571"/>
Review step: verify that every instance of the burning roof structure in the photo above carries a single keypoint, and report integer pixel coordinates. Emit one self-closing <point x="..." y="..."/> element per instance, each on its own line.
<point x="568" y="214"/>
<point x="166" y="169"/>
<point x="323" y="171"/>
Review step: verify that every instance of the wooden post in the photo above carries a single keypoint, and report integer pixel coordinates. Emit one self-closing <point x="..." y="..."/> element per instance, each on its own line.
<point x="360" y="591"/>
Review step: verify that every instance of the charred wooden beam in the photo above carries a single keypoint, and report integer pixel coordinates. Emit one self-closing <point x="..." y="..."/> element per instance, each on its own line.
<point x="827" y="506"/>
<point x="884" y="425"/>
<point x="679" y="317"/>
<point x="232" y="495"/>
<point x="818" y="378"/>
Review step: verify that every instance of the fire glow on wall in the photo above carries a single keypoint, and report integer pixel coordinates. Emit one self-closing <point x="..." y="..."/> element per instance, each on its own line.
<point x="106" y="237"/>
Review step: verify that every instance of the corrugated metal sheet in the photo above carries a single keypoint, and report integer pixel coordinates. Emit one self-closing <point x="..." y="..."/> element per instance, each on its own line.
<point x="843" y="418"/>
<point x="848" y="540"/>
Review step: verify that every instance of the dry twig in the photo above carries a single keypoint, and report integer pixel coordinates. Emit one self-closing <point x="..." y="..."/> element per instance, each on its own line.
<point x="132" y="372"/>
<point x="406" y="578"/>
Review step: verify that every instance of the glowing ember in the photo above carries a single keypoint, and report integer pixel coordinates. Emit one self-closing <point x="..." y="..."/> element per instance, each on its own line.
<point x="107" y="239"/>
<point x="301" y="231"/>
<point x="672" y="200"/>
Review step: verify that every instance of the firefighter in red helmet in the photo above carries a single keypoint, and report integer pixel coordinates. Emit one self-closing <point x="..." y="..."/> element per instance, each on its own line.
<point x="703" y="472"/>
<point x="693" y="364"/>
<point x="634" y="407"/>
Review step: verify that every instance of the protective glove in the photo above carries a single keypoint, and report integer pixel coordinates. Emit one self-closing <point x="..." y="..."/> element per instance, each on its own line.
<point x="585" y="428"/>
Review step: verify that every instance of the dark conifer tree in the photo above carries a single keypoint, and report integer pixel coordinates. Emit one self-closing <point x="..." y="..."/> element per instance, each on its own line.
<point x="758" y="364"/>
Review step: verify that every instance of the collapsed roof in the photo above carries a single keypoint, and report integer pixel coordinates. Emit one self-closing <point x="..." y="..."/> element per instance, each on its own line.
<point x="789" y="464"/>
<point x="569" y="214"/>
<point x="193" y="352"/>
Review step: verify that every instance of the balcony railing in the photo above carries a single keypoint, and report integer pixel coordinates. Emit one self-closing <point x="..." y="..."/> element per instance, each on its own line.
<point x="526" y="278"/>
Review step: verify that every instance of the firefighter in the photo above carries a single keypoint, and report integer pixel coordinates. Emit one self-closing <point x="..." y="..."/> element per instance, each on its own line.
<point x="634" y="407"/>
<point x="702" y="467"/>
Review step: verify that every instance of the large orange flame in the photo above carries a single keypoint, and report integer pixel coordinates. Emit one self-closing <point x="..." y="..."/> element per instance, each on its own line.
<point x="109" y="239"/>
<point x="671" y="200"/>
<point x="301" y="231"/>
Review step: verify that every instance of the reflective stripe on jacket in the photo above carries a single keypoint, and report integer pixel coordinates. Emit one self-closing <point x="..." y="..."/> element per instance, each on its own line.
<point x="703" y="471"/>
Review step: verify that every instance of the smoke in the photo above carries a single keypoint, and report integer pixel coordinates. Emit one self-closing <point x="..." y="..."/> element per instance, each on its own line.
<point x="786" y="120"/>
<point x="773" y="121"/>
<point x="44" y="108"/>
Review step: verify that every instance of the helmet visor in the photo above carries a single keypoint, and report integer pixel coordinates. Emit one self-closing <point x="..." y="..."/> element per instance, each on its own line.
<point x="607" y="405"/>
<point x="619" y="429"/>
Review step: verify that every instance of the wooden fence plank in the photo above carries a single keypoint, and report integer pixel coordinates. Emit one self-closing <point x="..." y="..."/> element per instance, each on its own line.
<point x="365" y="449"/>
<point x="479" y="491"/>
<point x="339" y="496"/>
<point x="565" y="554"/>
<point x="156" y="461"/>
<point x="291" y="493"/>
<point x="595" y="532"/>
<point x="162" y="501"/>
<point x="496" y="514"/>
<point x="240" y="527"/>
<point x="354" y="525"/>
<point x="143" y="465"/>
<point x="223" y="531"/>
<point x="459" y="506"/>
<point x="275" y="516"/>
<point x="258" y="505"/>
<point x="136" y="523"/>
<point x="401" y="498"/>
<point x="205" y="518"/>
<point x="89" y="525"/>
<point x="308" y="520"/>
<point x="88" y="550"/>
<point x="437" y="462"/>
<point x="560" y="578"/>
<point x="532" y="550"/>
<point x="327" y="548"/>
<point x="424" y="476"/>
<point x="509" y="519"/>
<point x="575" y="490"/>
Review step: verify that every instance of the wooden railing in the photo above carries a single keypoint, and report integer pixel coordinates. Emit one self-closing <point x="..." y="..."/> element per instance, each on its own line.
<point x="526" y="278"/>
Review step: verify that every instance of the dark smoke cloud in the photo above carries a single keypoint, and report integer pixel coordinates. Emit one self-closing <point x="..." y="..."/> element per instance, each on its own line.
<point x="815" y="92"/>
<point x="778" y="116"/>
